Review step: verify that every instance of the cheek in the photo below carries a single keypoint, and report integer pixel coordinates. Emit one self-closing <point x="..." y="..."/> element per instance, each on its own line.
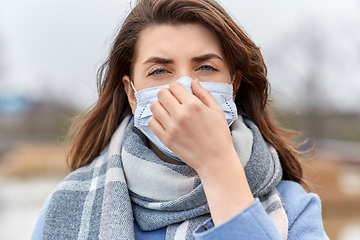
<point x="226" y="77"/>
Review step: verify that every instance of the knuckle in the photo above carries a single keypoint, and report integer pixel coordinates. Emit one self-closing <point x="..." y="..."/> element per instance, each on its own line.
<point x="183" y="116"/>
<point x="173" y="129"/>
<point x="161" y="93"/>
<point x="174" y="85"/>
<point x="154" y="106"/>
<point x="194" y="106"/>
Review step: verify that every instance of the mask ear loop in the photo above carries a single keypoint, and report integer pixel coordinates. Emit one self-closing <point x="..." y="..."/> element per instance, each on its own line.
<point x="233" y="80"/>
<point x="132" y="85"/>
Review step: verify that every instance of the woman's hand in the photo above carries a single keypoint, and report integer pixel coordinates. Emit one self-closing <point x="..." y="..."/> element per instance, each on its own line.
<point x="195" y="129"/>
<point x="192" y="126"/>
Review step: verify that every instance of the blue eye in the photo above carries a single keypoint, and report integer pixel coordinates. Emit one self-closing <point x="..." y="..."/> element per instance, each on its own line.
<point x="158" y="72"/>
<point x="207" y="68"/>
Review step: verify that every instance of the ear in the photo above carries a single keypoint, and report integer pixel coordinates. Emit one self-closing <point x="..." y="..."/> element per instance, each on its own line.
<point x="237" y="82"/>
<point x="130" y="93"/>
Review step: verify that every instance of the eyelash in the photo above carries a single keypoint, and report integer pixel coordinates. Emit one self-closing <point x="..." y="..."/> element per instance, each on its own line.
<point x="152" y="72"/>
<point x="157" y="69"/>
<point x="206" y="65"/>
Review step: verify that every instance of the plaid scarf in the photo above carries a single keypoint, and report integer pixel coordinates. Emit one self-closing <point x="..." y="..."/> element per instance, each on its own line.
<point x="128" y="181"/>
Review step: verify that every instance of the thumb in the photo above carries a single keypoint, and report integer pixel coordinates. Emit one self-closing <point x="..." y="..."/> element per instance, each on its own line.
<point x="203" y="94"/>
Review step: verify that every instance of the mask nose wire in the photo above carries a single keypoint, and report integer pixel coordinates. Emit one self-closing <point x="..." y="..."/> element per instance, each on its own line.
<point x="132" y="85"/>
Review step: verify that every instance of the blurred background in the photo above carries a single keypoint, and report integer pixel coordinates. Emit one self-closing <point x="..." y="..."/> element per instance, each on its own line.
<point x="50" y="51"/>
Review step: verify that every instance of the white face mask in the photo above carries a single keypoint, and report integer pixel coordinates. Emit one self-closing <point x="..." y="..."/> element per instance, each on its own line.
<point x="222" y="92"/>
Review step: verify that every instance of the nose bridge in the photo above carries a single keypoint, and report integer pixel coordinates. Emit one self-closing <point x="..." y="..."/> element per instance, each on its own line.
<point x="184" y="69"/>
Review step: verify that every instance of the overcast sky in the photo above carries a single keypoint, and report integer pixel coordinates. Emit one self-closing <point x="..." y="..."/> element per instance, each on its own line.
<point x="53" y="48"/>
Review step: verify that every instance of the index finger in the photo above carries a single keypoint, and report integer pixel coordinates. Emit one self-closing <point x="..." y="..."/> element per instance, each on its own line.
<point x="180" y="93"/>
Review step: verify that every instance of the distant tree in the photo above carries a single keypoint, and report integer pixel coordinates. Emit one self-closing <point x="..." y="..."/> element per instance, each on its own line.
<point x="316" y="65"/>
<point x="296" y="64"/>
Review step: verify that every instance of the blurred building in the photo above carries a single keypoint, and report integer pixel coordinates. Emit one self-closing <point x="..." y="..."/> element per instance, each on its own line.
<point x="32" y="134"/>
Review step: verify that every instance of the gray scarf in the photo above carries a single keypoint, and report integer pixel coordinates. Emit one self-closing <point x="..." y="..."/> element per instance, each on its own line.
<point x="128" y="181"/>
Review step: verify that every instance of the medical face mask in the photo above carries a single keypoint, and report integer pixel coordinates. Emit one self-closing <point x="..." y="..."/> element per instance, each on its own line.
<point x="222" y="92"/>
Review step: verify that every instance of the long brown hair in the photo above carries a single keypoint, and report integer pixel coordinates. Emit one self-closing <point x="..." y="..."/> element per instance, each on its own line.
<point x="92" y="130"/>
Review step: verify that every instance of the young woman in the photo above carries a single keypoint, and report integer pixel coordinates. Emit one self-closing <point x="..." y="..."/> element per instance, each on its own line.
<point x="180" y="144"/>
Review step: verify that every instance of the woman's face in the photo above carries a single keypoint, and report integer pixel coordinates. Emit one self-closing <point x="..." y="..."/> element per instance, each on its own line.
<point x="166" y="53"/>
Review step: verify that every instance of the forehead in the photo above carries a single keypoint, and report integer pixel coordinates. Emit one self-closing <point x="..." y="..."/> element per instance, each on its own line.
<point x="177" y="41"/>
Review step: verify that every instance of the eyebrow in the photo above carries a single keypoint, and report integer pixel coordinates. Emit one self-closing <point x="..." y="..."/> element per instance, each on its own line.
<point x="205" y="57"/>
<point x="200" y="58"/>
<point x="159" y="60"/>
